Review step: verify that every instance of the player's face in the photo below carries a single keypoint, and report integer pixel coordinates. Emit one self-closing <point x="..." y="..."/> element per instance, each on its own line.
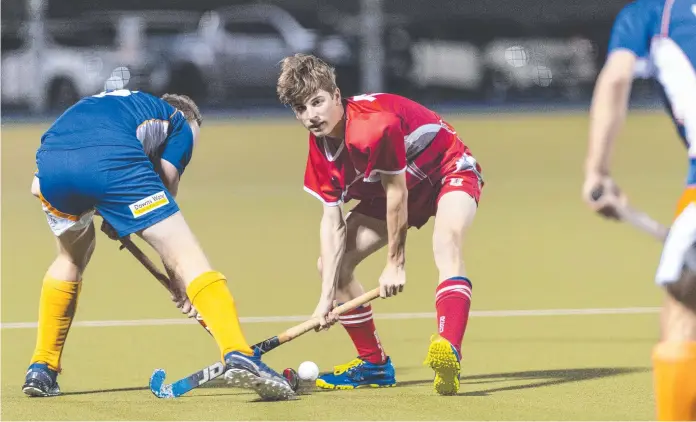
<point x="321" y="113"/>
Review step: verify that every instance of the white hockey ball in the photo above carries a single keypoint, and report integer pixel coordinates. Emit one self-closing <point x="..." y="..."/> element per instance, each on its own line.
<point x="308" y="371"/>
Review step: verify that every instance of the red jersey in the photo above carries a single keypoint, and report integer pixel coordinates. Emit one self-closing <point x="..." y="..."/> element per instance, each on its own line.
<point x="384" y="134"/>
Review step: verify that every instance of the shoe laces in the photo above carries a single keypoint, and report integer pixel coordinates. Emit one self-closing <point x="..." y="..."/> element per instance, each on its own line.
<point x="269" y="371"/>
<point x="339" y="369"/>
<point x="42" y="373"/>
<point x="261" y="365"/>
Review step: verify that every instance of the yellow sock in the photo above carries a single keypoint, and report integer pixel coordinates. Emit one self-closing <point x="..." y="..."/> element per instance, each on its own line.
<point x="211" y="297"/>
<point x="56" y="311"/>
<point x="675" y="380"/>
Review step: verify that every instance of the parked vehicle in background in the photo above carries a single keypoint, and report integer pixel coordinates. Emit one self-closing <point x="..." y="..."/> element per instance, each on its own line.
<point x="44" y="74"/>
<point x="156" y="30"/>
<point x="564" y="67"/>
<point x="74" y="58"/>
<point x="66" y="61"/>
<point x="237" y="50"/>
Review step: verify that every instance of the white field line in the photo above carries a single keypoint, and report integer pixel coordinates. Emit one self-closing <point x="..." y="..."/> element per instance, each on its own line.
<point x="300" y="318"/>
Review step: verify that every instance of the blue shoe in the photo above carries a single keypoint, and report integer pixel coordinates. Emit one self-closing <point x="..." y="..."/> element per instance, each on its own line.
<point x="41" y="381"/>
<point x="358" y="373"/>
<point x="250" y="372"/>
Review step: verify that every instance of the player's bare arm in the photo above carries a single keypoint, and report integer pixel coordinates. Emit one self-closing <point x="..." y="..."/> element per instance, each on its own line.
<point x="607" y="115"/>
<point x="168" y="171"/>
<point x="393" y="277"/>
<point x="170" y="177"/>
<point x="332" y="234"/>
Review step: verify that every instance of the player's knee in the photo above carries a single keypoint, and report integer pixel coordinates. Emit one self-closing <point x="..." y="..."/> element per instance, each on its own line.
<point x="188" y="267"/>
<point x="446" y="244"/>
<point x="35" y="189"/>
<point x="345" y="273"/>
<point x="345" y="276"/>
<point x="76" y="246"/>
<point x="447" y="254"/>
<point x="70" y="266"/>
<point x="679" y="312"/>
<point x="684" y="290"/>
<point x="178" y="247"/>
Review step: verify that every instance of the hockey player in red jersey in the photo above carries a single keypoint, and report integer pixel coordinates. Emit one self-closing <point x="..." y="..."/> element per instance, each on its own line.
<point x="404" y="164"/>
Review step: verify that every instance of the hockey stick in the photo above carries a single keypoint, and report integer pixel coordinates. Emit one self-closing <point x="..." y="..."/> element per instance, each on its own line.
<point x="127" y="243"/>
<point x="636" y="218"/>
<point x="644" y="222"/>
<point x="209" y="373"/>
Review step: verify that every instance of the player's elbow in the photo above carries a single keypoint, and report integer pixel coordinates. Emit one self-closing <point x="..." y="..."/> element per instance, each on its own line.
<point x="395" y="187"/>
<point x="35" y="189"/>
<point x="614" y="80"/>
<point x="320" y="266"/>
<point x="332" y="235"/>
<point x="333" y="230"/>
<point x="397" y="195"/>
<point x="618" y="70"/>
<point x="332" y="219"/>
<point x="173" y="188"/>
<point x="170" y="177"/>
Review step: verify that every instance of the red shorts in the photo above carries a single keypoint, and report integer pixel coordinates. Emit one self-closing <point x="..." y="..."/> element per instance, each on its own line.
<point x="424" y="197"/>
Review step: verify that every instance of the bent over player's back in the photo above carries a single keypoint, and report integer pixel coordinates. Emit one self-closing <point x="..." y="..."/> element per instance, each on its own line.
<point x="419" y="124"/>
<point x="115" y="118"/>
<point x="384" y="129"/>
<point x="409" y="110"/>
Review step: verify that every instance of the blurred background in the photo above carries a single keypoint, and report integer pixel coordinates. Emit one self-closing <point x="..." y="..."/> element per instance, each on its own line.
<point x="534" y="247"/>
<point x="225" y="54"/>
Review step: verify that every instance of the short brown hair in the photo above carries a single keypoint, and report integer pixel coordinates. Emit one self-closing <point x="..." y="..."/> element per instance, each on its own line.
<point x="301" y="76"/>
<point x="186" y="105"/>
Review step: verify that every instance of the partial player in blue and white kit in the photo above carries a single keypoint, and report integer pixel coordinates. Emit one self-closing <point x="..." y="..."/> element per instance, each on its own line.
<point x="656" y="39"/>
<point x="121" y="154"/>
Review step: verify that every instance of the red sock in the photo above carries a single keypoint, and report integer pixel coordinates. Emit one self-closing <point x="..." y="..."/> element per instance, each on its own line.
<point x="452" y="301"/>
<point x="361" y="328"/>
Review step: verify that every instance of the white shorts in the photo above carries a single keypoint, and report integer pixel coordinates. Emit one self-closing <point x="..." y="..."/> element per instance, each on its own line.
<point x="61" y="223"/>
<point x="680" y="247"/>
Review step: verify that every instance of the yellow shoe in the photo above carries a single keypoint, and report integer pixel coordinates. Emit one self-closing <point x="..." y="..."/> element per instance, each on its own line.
<point x="444" y="360"/>
<point x="358" y="374"/>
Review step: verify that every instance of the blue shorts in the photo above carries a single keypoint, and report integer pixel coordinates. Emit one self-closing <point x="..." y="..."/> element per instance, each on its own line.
<point x="119" y="182"/>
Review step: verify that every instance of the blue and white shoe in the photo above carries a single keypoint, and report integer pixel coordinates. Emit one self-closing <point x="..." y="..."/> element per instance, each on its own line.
<point x="250" y="372"/>
<point x="41" y="381"/>
<point x="358" y="374"/>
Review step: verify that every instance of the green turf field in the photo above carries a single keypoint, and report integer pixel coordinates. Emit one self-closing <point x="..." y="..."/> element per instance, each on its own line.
<point x="534" y="246"/>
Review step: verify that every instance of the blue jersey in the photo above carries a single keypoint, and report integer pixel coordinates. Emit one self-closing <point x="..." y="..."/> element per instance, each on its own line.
<point x="662" y="34"/>
<point x="124" y="119"/>
<point x="102" y="154"/>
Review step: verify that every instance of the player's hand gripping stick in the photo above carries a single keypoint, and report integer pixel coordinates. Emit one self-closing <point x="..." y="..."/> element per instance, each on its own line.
<point x="127" y="243"/>
<point x="209" y="373"/>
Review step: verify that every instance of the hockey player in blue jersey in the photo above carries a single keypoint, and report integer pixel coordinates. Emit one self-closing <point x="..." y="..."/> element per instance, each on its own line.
<point x="121" y="154"/>
<point x="656" y="39"/>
